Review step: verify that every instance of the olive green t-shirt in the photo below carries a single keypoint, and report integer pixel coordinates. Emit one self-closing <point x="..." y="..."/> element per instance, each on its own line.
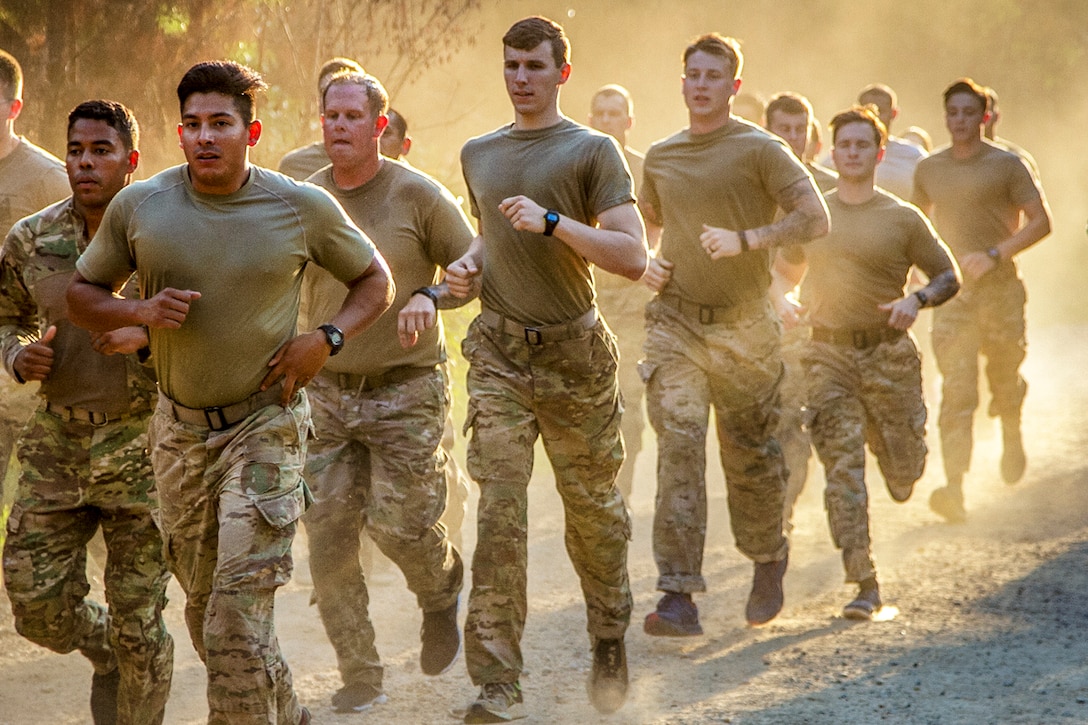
<point x="305" y="161"/>
<point x="864" y="260"/>
<point x="31" y="179"/>
<point x="976" y="202"/>
<point x="567" y="167"/>
<point x="244" y="252"/>
<point x="418" y="227"/>
<point x="726" y="178"/>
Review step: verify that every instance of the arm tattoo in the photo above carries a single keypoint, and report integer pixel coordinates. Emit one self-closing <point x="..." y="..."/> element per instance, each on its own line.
<point x="806" y="217"/>
<point x="942" y="288"/>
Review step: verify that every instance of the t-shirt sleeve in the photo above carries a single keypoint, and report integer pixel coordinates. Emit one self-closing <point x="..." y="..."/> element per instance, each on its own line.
<point x="781" y="169"/>
<point x="108" y="259"/>
<point x="611" y="183"/>
<point x="918" y="195"/>
<point x="335" y="243"/>
<point x="448" y="231"/>
<point x="1024" y="186"/>
<point x="927" y="252"/>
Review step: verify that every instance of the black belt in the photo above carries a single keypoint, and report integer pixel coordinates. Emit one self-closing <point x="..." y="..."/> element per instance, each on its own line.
<point x="861" y="339"/>
<point x="540" y="334"/>
<point x="713" y="314"/>
<point x="93" y="417"/>
<point x="222" y="417"/>
<point x="392" y="376"/>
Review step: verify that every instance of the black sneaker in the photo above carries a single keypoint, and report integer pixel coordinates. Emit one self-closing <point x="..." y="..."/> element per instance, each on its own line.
<point x="441" y="640"/>
<point x="765" y="600"/>
<point x="357" y="698"/>
<point x="866" y="604"/>
<point x="497" y="702"/>
<point x="676" y="616"/>
<point x="104" y="697"/>
<point x="607" y="684"/>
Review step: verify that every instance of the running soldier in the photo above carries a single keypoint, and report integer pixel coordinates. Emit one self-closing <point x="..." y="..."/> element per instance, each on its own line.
<point x="218" y="246"/>
<point x="622" y="302"/>
<point x="306" y="160"/>
<point x="84" y="453"/>
<point x="709" y="197"/>
<point x="380" y="407"/>
<point x="552" y="198"/>
<point x="862" y="369"/>
<point x="790" y="117"/>
<point x="988" y="206"/>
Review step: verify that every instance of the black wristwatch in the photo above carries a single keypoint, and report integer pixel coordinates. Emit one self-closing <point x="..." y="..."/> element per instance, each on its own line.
<point x="427" y="292"/>
<point x="922" y="297"/>
<point x="334" y="336"/>
<point x="551" y="218"/>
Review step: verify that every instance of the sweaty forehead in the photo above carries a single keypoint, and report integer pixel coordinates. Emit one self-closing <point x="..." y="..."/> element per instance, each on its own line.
<point x="542" y="52"/>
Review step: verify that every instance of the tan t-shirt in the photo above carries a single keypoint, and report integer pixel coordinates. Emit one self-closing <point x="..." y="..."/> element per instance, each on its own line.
<point x="418" y="227"/>
<point x="36" y="264"/>
<point x="244" y="252"/>
<point x="31" y="179"/>
<point x="864" y="260"/>
<point x="567" y="167"/>
<point x="305" y="161"/>
<point x="727" y="178"/>
<point x="976" y="201"/>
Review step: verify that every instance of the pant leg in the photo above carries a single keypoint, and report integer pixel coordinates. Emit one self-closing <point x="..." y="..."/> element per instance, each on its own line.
<point x="229" y="524"/>
<point x="838" y="433"/>
<point x="338" y="473"/>
<point x="402" y="425"/>
<point x="1004" y="345"/>
<point x="678" y="403"/>
<point x="895" y="410"/>
<point x="500" y="459"/>
<point x="956" y="344"/>
<point x="576" y="399"/>
<point x="45" y="554"/>
<point x="791" y="433"/>
<point x="744" y="372"/>
<point x="135" y="573"/>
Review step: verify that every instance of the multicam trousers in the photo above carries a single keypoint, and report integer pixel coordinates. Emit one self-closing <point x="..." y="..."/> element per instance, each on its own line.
<point x="75" y="478"/>
<point x="791" y="433"/>
<point x="377" y="462"/>
<point x="985" y="318"/>
<point x="857" y="396"/>
<point x="229" y="505"/>
<point x="736" y="368"/>
<point x="564" y="392"/>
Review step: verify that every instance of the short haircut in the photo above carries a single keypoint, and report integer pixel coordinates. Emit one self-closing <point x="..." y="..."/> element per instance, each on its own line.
<point x="227" y="77"/>
<point x="878" y="89"/>
<point x="792" y="104"/>
<point x="968" y="86"/>
<point x="528" y="33"/>
<point x="719" y="45"/>
<point x="615" y="90"/>
<point x="377" y="99"/>
<point x="398" y="124"/>
<point x="116" y="116"/>
<point x="860" y="114"/>
<point x="335" y="65"/>
<point x="11" y="76"/>
<point x="991" y="99"/>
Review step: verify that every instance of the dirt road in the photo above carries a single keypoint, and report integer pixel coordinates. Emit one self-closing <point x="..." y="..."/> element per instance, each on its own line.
<point x="986" y="622"/>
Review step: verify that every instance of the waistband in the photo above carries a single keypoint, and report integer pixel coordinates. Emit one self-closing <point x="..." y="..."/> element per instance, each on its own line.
<point x="93" y="417"/>
<point x="222" y="417"/>
<point x="540" y="334"/>
<point x="713" y="314"/>
<point x="861" y="339"/>
<point x="392" y="376"/>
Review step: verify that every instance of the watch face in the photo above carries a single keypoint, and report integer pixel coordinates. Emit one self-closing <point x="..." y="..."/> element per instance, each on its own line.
<point x="336" y="337"/>
<point x="551" y="217"/>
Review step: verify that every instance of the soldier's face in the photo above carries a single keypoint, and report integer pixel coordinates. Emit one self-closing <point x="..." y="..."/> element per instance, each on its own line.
<point x="793" y="128"/>
<point x="350" y="130"/>
<point x="216" y="141"/>
<point x="856" y="151"/>
<point x="533" y="79"/>
<point x="608" y="113"/>
<point x="708" y="85"/>
<point x="964" y="114"/>
<point x="98" y="163"/>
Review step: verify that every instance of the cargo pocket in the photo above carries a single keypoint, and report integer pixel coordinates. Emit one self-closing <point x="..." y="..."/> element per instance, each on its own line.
<point x="282" y="509"/>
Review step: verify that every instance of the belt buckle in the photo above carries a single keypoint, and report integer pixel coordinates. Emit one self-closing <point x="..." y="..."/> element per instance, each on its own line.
<point x="534" y="336"/>
<point x="219" y="425"/>
<point x="706" y="314"/>
<point x="860" y="339"/>
<point x="97" y="419"/>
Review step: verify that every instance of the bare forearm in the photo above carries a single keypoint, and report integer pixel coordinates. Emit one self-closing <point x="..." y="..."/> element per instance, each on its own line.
<point x="95" y="308"/>
<point x="368" y="298"/>
<point x="806" y="218"/>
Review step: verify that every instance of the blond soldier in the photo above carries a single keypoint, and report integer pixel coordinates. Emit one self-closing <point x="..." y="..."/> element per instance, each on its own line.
<point x="300" y="163"/>
<point x="710" y="196"/>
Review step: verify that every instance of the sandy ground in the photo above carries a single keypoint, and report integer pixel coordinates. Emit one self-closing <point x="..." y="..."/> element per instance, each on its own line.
<point x="984" y="622"/>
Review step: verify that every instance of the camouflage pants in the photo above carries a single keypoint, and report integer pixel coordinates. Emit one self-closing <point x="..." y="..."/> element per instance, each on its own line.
<point x="377" y="462"/>
<point x="986" y="319"/>
<point x="565" y="392"/>
<point x="873" y="396"/>
<point x="75" y="478"/>
<point x="736" y="368"/>
<point x="229" y="503"/>
<point x="791" y="433"/>
<point x="624" y="309"/>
